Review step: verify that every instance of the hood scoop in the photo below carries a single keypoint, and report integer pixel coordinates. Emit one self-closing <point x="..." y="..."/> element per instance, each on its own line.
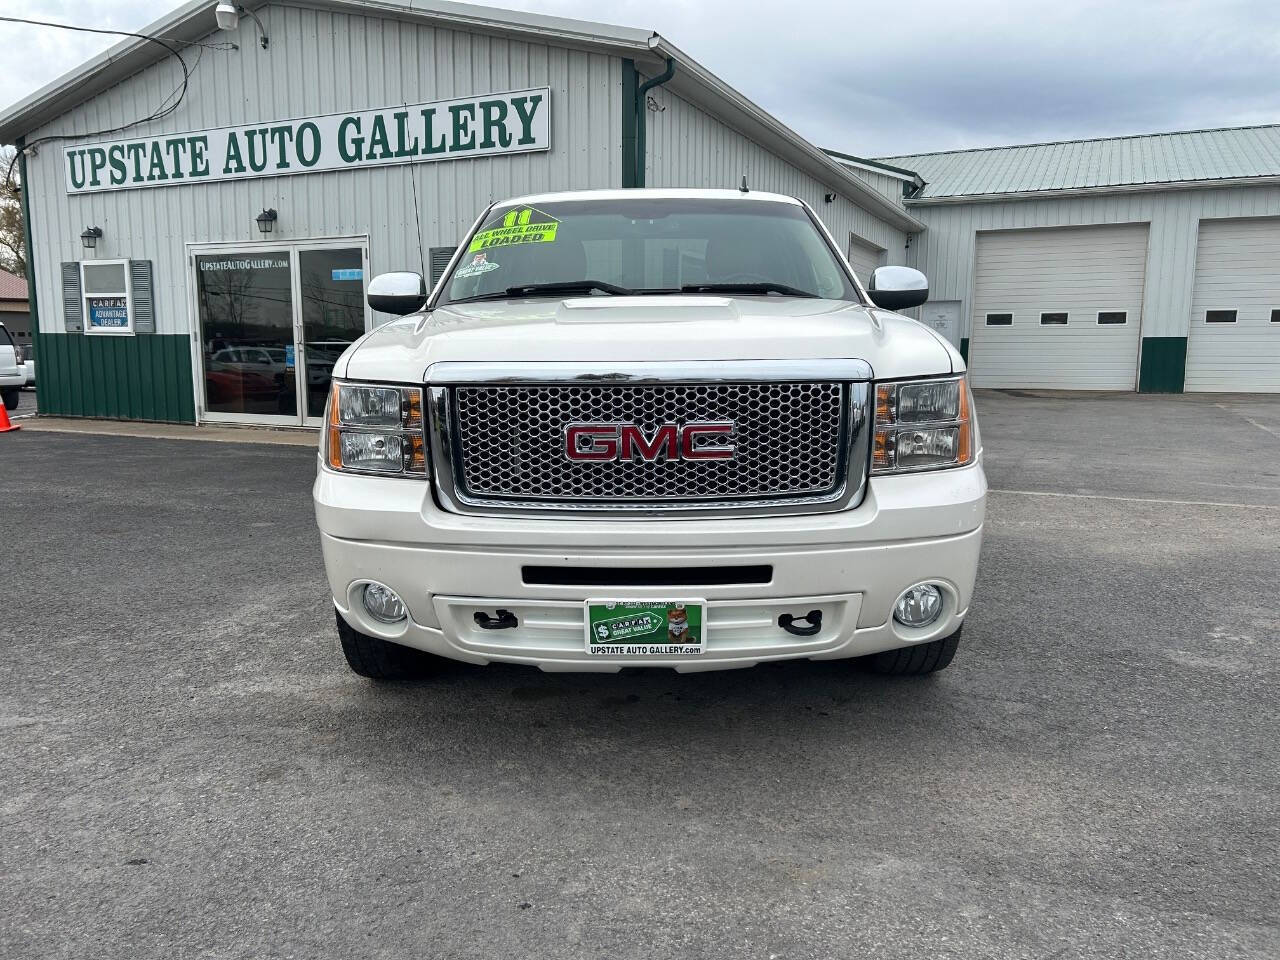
<point x="672" y="308"/>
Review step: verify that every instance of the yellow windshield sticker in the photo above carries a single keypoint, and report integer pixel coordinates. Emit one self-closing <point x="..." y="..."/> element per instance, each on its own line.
<point x="516" y="226"/>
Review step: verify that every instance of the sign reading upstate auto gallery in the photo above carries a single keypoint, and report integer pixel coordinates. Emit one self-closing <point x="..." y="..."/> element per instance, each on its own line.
<point x="516" y="122"/>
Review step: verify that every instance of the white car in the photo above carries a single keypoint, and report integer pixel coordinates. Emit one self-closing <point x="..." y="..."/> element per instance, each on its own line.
<point x="13" y="376"/>
<point x="650" y="428"/>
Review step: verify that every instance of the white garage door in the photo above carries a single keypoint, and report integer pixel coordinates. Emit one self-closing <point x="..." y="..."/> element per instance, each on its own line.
<point x="865" y="257"/>
<point x="1234" y="343"/>
<point x="1059" y="308"/>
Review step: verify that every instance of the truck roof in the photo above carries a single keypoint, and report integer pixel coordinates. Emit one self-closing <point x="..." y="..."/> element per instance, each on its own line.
<point x="634" y="193"/>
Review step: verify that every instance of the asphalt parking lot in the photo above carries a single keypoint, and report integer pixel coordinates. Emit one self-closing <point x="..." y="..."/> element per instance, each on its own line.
<point x="190" y="770"/>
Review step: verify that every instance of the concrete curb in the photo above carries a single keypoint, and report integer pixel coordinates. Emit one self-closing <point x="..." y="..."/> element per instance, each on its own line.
<point x="292" y="437"/>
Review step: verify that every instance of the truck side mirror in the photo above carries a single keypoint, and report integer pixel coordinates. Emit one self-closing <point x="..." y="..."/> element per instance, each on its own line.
<point x="897" y="288"/>
<point x="398" y="293"/>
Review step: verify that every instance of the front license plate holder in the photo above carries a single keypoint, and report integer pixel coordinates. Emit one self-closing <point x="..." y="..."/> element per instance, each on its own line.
<point x="645" y="629"/>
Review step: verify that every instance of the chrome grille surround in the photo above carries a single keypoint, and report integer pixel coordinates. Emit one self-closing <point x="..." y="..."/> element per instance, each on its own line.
<point x="497" y="437"/>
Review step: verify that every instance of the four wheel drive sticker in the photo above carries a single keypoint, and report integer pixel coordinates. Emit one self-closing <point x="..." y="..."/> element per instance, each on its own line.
<point x="525" y="225"/>
<point x="644" y="627"/>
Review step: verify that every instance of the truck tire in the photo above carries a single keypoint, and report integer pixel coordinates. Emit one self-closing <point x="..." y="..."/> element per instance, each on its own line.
<point x="379" y="659"/>
<point x="11" y="398"/>
<point x="914" y="661"/>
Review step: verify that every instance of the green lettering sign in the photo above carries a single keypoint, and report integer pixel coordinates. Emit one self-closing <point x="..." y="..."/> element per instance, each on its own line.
<point x="412" y="133"/>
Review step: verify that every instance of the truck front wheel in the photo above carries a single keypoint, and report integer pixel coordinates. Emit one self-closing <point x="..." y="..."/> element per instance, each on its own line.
<point x="914" y="661"/>
<point x="11" y="398"/>
<point x="379" y="659"/>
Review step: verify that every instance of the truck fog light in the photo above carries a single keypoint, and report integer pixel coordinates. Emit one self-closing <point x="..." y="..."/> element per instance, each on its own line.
<point x="918" y="606"/>
<point x="383" y="604"/>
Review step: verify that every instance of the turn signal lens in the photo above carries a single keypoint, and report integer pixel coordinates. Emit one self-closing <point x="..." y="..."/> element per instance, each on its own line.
<point x="376" y="429"/>
<point x="922" y="425"/>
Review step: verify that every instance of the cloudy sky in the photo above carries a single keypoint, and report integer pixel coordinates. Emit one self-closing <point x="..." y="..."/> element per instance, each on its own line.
<point x="877" y="79"/>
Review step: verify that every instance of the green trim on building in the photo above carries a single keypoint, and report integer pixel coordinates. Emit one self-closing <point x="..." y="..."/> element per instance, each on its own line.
<point x="29" y="247"/>
<point x="1164" y="365"/>
<point x="630" y="80"/>
<point x="145" y="377"/>
<point x="964" y="348"/>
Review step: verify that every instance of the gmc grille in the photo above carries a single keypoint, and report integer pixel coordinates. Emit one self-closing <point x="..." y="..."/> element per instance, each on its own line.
<point x="793" y="445"/>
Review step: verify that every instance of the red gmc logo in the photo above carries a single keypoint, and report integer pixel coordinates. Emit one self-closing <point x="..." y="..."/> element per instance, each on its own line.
<point x="596" y="442"/>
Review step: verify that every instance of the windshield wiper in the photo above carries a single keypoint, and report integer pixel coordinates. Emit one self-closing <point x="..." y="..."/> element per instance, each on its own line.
<point x="767" y="287"/>
<point x="550" y="289"/>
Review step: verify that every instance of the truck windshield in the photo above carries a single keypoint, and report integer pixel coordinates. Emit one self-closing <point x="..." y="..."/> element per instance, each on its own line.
<point x="602" y="247"/>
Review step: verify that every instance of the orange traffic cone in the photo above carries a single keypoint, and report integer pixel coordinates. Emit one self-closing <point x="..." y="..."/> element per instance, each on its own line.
<point x="5" y="425"/>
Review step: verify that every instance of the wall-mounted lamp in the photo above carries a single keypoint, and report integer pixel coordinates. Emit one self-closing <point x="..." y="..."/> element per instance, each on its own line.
<point x="90" y="237"/>
<point x="829" y="197"/>
<point x="229" y="14"/>
<point x="266" y="220"/>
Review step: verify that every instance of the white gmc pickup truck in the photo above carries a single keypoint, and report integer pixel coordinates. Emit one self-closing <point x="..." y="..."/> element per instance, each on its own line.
<point x="650" y="428"/>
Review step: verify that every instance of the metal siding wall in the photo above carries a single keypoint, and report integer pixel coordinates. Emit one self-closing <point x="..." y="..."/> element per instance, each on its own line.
<point x="882" y="183"/>
<point x="323" y="62"/>
<point x="945" y="251"/>
<point x="690" y="148"/>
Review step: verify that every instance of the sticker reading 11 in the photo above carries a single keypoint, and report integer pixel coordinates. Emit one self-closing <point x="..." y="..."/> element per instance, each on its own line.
<point x="526" y="225"/>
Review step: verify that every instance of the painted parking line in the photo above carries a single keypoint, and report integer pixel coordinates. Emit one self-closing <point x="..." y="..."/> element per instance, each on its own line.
<point x="1099" y="496"/>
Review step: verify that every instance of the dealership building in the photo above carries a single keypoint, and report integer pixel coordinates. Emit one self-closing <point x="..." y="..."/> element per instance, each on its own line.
<point x="201" y="231"/>
<point x="210" y="264"/>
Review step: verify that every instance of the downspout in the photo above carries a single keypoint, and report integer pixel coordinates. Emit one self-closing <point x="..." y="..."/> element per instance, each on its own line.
<point x="642" y="116"/>
<point x="32" y="303"/>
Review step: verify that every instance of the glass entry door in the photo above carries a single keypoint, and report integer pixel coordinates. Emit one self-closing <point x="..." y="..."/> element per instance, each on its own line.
<point x="333" y="316"/>
<point x="245" y="302"/>
<point x="272" y="322"/>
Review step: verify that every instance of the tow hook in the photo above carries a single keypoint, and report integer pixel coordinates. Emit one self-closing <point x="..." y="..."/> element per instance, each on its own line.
<point x="792" y="624"/>
<point x="505" y="620"/>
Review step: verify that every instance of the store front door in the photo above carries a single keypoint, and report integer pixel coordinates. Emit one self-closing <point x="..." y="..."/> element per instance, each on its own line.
<point x="271" y="322"/>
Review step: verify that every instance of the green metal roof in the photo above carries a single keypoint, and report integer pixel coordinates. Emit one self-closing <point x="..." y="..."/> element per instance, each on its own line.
<point x="1193" y="156"/>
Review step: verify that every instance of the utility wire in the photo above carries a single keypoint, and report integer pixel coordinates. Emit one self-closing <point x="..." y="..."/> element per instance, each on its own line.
<point x="163" y="110"/>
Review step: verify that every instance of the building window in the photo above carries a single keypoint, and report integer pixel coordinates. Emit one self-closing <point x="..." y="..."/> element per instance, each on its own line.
<point x="999" y="319"/>
<point x="1275" y="316"/>
<point x="1220" y="316"/>
<point x="1053" y="319"/>
<point x="107" y="297"/>
<point x="1113" y="316"/>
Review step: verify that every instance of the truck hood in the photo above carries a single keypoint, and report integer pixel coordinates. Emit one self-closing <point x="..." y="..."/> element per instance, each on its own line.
<point x="653" y="328"/>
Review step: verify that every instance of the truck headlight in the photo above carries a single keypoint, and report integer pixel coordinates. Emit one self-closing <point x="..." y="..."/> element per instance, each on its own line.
<point x="923" y="425"/>
<point x="376" y="429"/>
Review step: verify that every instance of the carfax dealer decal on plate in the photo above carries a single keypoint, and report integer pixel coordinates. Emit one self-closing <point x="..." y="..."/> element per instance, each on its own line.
<point x="662" y="628"/>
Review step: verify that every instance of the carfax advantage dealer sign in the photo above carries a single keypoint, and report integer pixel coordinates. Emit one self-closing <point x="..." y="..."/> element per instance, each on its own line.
<point x="500" y="123"/>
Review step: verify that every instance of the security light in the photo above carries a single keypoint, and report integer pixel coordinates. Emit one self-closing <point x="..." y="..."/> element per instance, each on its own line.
<point x="229" y="14"/>
<point x="90" y="237"/>
<point x="266" y="220"/>
<point x="228" y="17"/>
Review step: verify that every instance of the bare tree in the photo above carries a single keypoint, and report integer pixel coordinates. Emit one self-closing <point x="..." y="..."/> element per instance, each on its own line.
<point x="13" y="254"/>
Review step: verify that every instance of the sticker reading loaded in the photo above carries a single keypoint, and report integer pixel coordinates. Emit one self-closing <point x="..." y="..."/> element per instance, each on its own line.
<point x="479" y="264"/>
<point x="654" y="628"/>
<point x="525" y="225"/>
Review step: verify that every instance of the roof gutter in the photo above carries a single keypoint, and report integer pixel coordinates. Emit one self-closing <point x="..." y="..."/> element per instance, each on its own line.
<point x="1111" y="189"/>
